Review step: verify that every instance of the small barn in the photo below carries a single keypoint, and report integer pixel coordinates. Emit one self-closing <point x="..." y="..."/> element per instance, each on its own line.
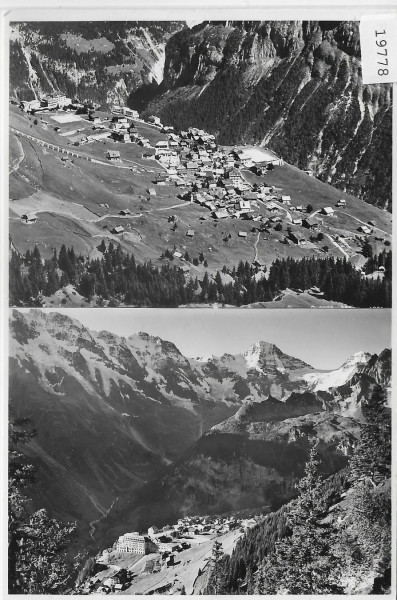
<point x="117" y="230"/>
<point x="242" y="234"/>
<point x="327" y="210"/>
<point x="310" y="223"/>
<point x="190" y="233"/>
<point x="113" y="155"/>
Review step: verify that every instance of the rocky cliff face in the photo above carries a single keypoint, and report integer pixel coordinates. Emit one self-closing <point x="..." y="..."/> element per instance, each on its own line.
<point x="293" y="86"/>
<point x="100" y="62"/>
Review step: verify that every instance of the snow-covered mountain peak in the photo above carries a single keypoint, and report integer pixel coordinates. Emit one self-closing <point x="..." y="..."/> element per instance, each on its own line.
<point x="332" y="379"/>
<point x="357" y="358"/>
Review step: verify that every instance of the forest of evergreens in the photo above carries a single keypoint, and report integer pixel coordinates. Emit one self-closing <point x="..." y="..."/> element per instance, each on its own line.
<point x="117" y="279"/>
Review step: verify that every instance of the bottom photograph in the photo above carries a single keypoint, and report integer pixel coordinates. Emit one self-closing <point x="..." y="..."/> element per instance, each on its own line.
<point x="197" y="451"/>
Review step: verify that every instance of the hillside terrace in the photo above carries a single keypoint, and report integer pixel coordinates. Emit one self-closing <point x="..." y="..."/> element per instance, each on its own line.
<point x="224" y="183"/>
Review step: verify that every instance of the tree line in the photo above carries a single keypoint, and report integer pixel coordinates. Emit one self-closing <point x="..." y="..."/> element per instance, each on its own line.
<point x="116" y="278"/>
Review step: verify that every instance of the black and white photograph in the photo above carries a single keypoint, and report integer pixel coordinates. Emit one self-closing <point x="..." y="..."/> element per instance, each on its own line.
<point x="164" y="164"/>
<point x="167" y="183"/>
<point x="210" y="453"/>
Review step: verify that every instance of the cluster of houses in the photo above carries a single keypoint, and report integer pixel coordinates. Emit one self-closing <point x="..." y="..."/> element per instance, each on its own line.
<point x="163" y="546"/>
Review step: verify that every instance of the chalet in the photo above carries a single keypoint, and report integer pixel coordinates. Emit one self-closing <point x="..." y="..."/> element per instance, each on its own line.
<point x="271" y="206"/>
<point x="190" y="233"/>
<point x="285" y="199"/>
<point x="221" y="214"/>
<point x="121" y="136"/>
<point x="327" y="210"/>
<point x="310" y="223"/>
<point x="113" y="155"/>
<point x="250" y="196"/>
<point x="243" y="205"/>
<point x="300" y="208"/>
<point x="162" y="144"/>
<point x="242" y="234"/>
<point x="341" y="202"/>
<point x="177" y="254"/>
<point x="234" y="176"/>
<point x="364" y="229"/>
<point x="29" y="218"/>
<point x="154" y="120"/>
<point x="117" y="230"/>
<point x="151" y="192"/>
<point x="297" y="238"/>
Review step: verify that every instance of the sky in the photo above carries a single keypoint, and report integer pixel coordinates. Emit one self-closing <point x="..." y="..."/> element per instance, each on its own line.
<point x="323" y="338"/>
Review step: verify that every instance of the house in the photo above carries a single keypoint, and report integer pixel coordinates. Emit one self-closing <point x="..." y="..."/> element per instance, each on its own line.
<point x="327" y="210"/>
<point x="297" y="221"/>
<point x="243" y="205"/>
<point x="310" y="223"/>
<point x="29" y="218"/>
<point x="177" y="254"/>
<point x="154" y="120"/>
<point x="271" y="206"/>
<point x="121" y="136"/>
<point x="242" y="234"/>
<point x="125" y="211"/>
<point x="161" y="180"/>
<point x="113" y="155"/>
<point x="234" y="176"/>
<point x="285" y="199"/>
<point x="161" y="144"/>
<point x="250" y="196"/>
<point x="151" y="192"/>
<point x="297" y="238"/>
<point x="364" y="229"/>
<point x="341" y="202"/>
<point x="190" y="233"/>
<point x="221" y="214"/>
<point x="117" y="230"/>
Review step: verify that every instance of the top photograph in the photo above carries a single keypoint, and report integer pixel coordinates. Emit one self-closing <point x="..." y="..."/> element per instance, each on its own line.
<point x="213" y="164"/>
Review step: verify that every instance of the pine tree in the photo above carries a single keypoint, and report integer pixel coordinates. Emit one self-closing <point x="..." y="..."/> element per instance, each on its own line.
<point x="216" y="582"/>
<point x="305" y="561"/>
<point x="367" y="527"/>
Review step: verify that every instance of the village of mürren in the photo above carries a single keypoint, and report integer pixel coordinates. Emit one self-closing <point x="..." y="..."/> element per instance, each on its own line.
<point x="199" y="310"/>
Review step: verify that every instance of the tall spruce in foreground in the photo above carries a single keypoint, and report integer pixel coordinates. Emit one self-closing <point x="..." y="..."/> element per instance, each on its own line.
<point x="367" y="526"/>
<point x="305" y="561"/>
<point x="216" y="583"/>
<point x="36" y="542"/>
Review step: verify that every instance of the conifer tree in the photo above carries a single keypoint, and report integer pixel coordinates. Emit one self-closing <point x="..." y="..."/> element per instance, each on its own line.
<point x="304" y="562"/>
